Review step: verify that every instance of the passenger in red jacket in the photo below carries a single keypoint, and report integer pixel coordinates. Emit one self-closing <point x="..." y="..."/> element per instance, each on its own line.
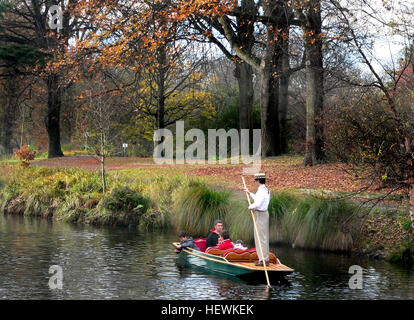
<point x="224" y="241"/>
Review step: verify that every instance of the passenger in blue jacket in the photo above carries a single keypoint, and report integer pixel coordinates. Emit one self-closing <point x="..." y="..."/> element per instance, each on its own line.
<point x="186" y="242"/>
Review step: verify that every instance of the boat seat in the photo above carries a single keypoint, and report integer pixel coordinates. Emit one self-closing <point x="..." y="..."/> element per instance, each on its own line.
<point x="215" y="251"/>
<point x="240" y="255"/>
<point x="246" y="256"/>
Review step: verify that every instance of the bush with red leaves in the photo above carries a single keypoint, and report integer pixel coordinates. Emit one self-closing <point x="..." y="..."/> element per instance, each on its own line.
<point x="25" y="155"/>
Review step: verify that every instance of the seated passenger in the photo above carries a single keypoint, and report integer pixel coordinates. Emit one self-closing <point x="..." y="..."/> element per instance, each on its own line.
<point x="240" y="245"/>
<point x="186" y="242"/>
<point x="214" y="234"/>
<point x="225" y="242"/>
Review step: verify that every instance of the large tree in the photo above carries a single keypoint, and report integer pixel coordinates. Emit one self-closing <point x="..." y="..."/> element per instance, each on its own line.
<point x="146" y="39"/>
<point x="209" y="30"/>
<point x="377" y="137"/>
<point x="27" y="24"/>
<point x="312" y="30"/>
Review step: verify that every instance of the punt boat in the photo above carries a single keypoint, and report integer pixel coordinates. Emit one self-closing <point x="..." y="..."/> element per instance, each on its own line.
<point x="238" y="263"/>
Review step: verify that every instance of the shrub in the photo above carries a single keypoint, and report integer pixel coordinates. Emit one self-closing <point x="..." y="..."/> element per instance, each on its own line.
<point x="404" y="254"/>
<point x="125" y="199"/>
<point x="122" y="207"/>
<point x="25" y="154"/>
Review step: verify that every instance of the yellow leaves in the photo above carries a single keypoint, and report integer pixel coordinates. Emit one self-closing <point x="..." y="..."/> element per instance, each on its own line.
<point x="310" y="33"/>
<point x="208" y="33"/>
<point x="205" y="7"/>
<point x="379" y="152"/>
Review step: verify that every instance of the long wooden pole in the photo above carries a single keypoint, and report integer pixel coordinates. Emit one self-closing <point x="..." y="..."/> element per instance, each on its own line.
<point x="258" y="236"/>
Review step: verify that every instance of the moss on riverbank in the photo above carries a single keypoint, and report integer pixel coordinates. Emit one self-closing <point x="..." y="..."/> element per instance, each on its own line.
<point x="181" y="202"/>
<point x="384" y="233"/>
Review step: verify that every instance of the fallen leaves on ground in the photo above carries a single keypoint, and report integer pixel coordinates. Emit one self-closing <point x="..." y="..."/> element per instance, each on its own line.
<point x="282" y="172"/>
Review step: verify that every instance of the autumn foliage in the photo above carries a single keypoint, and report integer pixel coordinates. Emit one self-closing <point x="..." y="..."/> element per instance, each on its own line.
<point x="25" y="155"/>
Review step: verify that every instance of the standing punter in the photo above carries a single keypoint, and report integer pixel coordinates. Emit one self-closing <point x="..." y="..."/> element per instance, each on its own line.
<point x="261" y="202"/>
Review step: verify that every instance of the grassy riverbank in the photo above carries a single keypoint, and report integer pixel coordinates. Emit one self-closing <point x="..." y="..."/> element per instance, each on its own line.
<point x="148" y="198"/>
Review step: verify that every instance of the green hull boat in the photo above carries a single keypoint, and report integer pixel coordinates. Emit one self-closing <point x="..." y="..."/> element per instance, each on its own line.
<point x="240" y="269"/>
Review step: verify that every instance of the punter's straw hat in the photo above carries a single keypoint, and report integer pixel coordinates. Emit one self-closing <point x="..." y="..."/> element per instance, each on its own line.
<point x="258" y="176"/>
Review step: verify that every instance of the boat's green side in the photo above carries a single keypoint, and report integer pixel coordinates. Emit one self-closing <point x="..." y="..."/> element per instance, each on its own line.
<point x="214" y="263"/>
<point x="219" y="264"/>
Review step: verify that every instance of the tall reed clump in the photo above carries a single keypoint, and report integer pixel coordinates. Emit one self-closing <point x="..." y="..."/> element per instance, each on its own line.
<point x="281" y="204"/>
<point x="239" y="219"/>
<point x="307" y="222"/>
<point x="161" y="190"/>
<point x="319" y="223"/>
<point x="197" y="205"/>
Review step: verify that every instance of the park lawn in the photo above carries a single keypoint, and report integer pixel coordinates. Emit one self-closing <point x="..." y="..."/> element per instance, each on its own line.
<point x="283" y="173"/>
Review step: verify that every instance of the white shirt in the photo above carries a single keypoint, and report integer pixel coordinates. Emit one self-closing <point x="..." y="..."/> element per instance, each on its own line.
<point x="261" y="199"/>
<point x="240" y="246"/>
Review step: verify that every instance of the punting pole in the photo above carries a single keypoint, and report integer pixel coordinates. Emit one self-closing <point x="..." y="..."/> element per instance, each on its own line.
<point x="258" y="236"/>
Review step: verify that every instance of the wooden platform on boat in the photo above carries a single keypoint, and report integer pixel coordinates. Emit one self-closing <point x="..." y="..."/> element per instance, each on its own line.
<point x="271" y="267"/>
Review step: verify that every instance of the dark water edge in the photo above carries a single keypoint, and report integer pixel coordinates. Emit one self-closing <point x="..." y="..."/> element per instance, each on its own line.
<point x="122" y="263"/>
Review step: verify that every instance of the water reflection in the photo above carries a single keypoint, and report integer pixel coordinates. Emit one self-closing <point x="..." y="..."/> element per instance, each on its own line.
<point x="116" y="263"/>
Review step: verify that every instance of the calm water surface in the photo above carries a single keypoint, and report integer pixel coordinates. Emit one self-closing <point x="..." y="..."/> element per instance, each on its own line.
<point x="117" y="263"/>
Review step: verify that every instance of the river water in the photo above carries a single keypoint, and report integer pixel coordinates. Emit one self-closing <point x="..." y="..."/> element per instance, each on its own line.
<point x="118" y="263"/>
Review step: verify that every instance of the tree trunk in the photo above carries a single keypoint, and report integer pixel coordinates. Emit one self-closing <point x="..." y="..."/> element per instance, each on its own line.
<point x="267" y="68"/>
<point x="284" y="93"/>
<point x="310" y="152"/>
<point x="244" y="71"/>
<point x="269" y="102"/>
<point x="160" y="94"/>
<point x="162" y="62"/>
<point x="7" y="124"/>
<point x="161" y="113"/>
<point x="244" y="74"/>
<point x="412" y="207"/>
<point x="103" y="174"/>
<point x="103" y="155"/>
<point x="9" y="115"/>
<point x="314" y="85"/>
<point x="53" y="116"/>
